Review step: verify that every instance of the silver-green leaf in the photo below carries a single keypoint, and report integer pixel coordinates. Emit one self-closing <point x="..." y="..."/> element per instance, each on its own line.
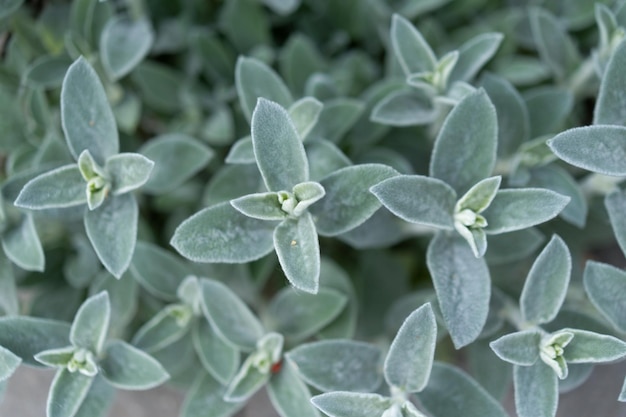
<point x="519" y="348"/>
<point x="22" y="246"/>
<point x="127" y="367"/>
<point x="289" y="395"/>
<point x="605" y="286"/>
<point x="8" y="363"/>
<point x="59" y="188"/>
<point x="123" y="44"/>
<point x="536" y="390"/>
<point x="410" y="47"/>
<point x="91" y="324"/>
<point x="67" y="393"/>
<point x="591" y="347"/>
<point x="218" y="357"/>
<point x="128" y="171"/>
<point x="351" y="404"/>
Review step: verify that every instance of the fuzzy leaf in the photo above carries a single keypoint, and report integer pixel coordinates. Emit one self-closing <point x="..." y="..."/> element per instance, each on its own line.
<point x="128" y="171"/>
<point x="536" y="390"/>
<point x="404" y="108"/>
<point x="8" y="363"/>
<point x="590" y="347"/>
<point x="351" y="404"/>
<point x="255" y="79"/>
<point x="229" y="316"/>
<point x="463" y="287"/>
<point x="520" y="348"/>
<point x="465" y="149"/>
<point x="9" y="305"/>
<point x="605" y="286"/>
<point x="278" y="150"/>
<point x="480" y="196"/>
<point x="67" y="392"/>
<point x="207" y="394"/>
<point x="177" y="157"/>
<point x="348" y="202"/>
<point x="217" y="356"/>
<point x="247" y="382"/>
<point x="59" y="188"/>
<point x="410" y="47"/>
<point x="516" y="209"/>
<point x="112" y="230"/>
<point x="610" y="106"/>
<point x="123" y="44"/>
<point x="474" y="54"/>
<point x="262" y="206"/>
<point x="163" y="329"/>
<point x="91" y="323"/>
<point x="451" y="392"/>
<point x="129" y="368"/>
<point x="410" y="357"/>
<point x="242" y="152"/>
<point x="298" y="316"/>
<point x="615" y="204"/>
<point x="298" y="251"/>
<point x="338" y="365"/>
<point x="98" y="400"/>
<point x="22" y="246"/>
<point x="546" y="283"/>
<point x="222" y="234"/>
<point x="336" y="119"/>
<point x="27" y="336"/>
<point x="86" y="116"/>
<point x="418" y="199"/>
<point x="560" y="102"/>
<point x="304" y="114"/>
<point x="599" y="148"/>
<point x="289" y="395"/>
<point x="159" y="86"/>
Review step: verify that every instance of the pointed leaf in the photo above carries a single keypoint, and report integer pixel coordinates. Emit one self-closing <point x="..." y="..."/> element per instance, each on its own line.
<point x="536" y="390"/>
<point x="124" y="43"/>
<point x="166" y="327"/>
<point x="404" y="108"/>
<point x="410" y="357"/>
<point x="324" y="159"/>
<point x="298" y="316"/>
<point x="351" y="404"/>
<point x="605" y="286"/>
<point x="610" y="106"/>
<point x="519" y="348"/>
<point x="229" y="316"/>
<point x="9" y="305"/>
<point x="480" y="196"/>
<point x="242" y="152"/>
<point x="410" y="47"/>
<point x="57" y="358"/>
<point x="129" y="368"/>
<point x="222" y="234"/>
<point x="91" y="324"/>
<point x="451" y="392"/>
<point x="615" y="204"/>
<point x="278" y="150"/>
<point x="474" y="54"/>
<point x="207" y="394"/>
<point x="336" y="119"/>
<point x="465" y="149"/>
<point x="338" y="365"/>
<point x="348" y="202"/>
<point x="591" y="347"/>
<point x="59" y="188"/>
<point x="8" y="363"/>
<point x="98" y="400"/>
<point x="128" y="171"/>
<point x="112" y="230"/>
<point x="262" y="206"/>
<point x="217" y="356"/>
<point x="304" y="114"/>
<point x="247" y="382"/>
<point x="67" y="393"/>
<point x="255" y="79"/>
<point x="463" y="287"/>
<point x="22" y="246"/>
<point x="87" y="118"/>
<point x="600" y="148"/>
<point x="298" y="252"/>
<point x="27" y="336"/>
<point x="289" y="395"/>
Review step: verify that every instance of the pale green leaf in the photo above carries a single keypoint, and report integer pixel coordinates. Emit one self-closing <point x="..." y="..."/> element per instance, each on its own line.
<point x="404" y="108"/>
<point x="338" y="365"/>
<point x="253" y="80"/>
<point x="8" y="7"/>
<point x="128" y="171"/>
<point x="282" y="7"/>
<point x="492" y="374"/>
<point x="480" y="196"/>
<point x="219" y="128"/>
<point x="207" y="394"/>
<point x="348" y="202"/>
<point x="474" y="54"/>
<point x="112" y="230"/>
<point x="123" y="294"/>
<point x="298" y="316"/>
<point x="546" y="283"/>
<point x="159" y="86"/>
<point x="289" y="395"/>
<point x="463" y="287"/>
<point x="599" y="148"/>
<point x="410" y="47"/>
<point x="57" y="358"/>
<point x="536" y="390"/>
<point x="351" y="404"/>
<point x="451" y="392"/>
<point x="418" y="199"/>
<point x="47" y="71"/>
<point x="86" y="116"/>
<point x="304" y="114"/>
<point x="262" y="206"/>
<point x="22" y="246"/>
<point x="465" y="149"/>
<point x="410" y="357"/>
<point x="27" y="336"/>
<point x="523" y="70"/>
<point x="9" y="305"/>
<point x="124" y="43"/>
<point x="516" y="209"/>
<point x="8" y="363"/>
<point x="222" y="234"/>
<point x="242" y="152"/>
<point x="278" y="150"/>
<point x="560" y="102"/>
<point x="164" y="328"/>
<point x="248" y="380"/>
<point x="98" y="400"/>
<point x="297" y="247"/>
<point x="67" y="393"/>
<point x="336" y="119"/>
<point x="129" y="368"/>
<point x="615" y="204"/>
<point x="217" y="356"/>
<point x="59" y="188"/>
<point x="91" y="323"/>
<point x="177" y="157"/>
<point x="300" y="60"/>
<point x="622" y="395"/>
<point x="605" y="286"/>
<point x="610" y="108"/>
<point x="229" y="316"/>
<point x="519" y="348"/>
<point x="591" y="347"/>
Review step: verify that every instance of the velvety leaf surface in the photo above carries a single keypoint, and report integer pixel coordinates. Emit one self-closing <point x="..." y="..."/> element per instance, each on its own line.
<point x="91" y="324"/>
<point x="473" y="55"/>
<point x="610" y="106"/>
<point x="605" y="286"/>
<point x="98" y="400"/>
<point x="59" y="188"/>
<point x="22" y="246"/>
<point x="8" y="363"/>
<point x="615" y="204"/>
<point x="304" y="114"/>
<point x="338" y="365"/>
<point x="351" y="404"/>
<point x="27" y="336"/>
<point x="410" y="47"/>
<point x="262" y="206"/>
<point x="127" y="367"/>
<point x="67" y="393"/>
<point x="123" y="44"/>
<point x="519" y="348"/>
<point x="462" y="284"/>
<point x="128" y="171"/>
<point x="536" y="390"/>
<point x="207" y="394"/>
<point x="336" y="119"/>
<point x="217" y="356"/>
<point x="591" y="347"/>
<point x="289" y="395"/>
<point x="163" y="329"/>
<point x="404" y="108"/>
